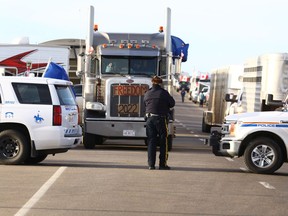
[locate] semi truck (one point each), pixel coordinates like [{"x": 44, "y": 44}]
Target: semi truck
[
  {"x": 183, "y": 82},
  {"x": 198, "y": 82},
  {"x": 224, "y": 81},
  {"x": 21, "y": 59},
  {"x": 116, "y": 71}
]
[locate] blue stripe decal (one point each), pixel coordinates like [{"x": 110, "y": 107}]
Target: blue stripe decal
[
  {"x": 249, "y": 125},
  {"x": 282, "y": 125},
  {"x": 265, "y": 125}
]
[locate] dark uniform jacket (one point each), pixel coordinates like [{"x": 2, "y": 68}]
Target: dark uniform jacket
[{"x": 158, "y": 101}]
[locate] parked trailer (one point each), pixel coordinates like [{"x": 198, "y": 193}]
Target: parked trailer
[
  {"x": 225, "y": 80},
  {"x": 18, "y": 59},
  {"x": 265, "y": 82}
]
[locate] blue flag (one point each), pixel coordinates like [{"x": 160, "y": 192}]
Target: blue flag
[
  {"x": 179, "y": 48},
  {"x": 56, "y": 71}
]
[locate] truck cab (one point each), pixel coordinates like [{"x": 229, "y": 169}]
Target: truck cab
[{"x": 117, "y": 73}]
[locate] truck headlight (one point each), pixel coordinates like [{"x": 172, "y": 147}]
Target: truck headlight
[
  {"x": 95, "y": 106},
  {"x": 229, "y": 128}
]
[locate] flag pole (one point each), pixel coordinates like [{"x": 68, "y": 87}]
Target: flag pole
[{"x": 49, "y": 61}]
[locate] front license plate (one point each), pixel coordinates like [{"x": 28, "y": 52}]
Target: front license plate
[{"x": 128, "y": 132}]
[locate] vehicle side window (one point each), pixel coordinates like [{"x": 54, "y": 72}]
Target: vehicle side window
[
  {"x": 65, "y": 94},
  {"x": 29, "y": 93},
  {"x": 78, "y": 90}
]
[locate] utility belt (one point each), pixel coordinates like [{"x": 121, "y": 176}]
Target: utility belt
[{"x": 151, "y": 115}]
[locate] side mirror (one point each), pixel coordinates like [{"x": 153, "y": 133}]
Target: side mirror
[{"x": 230, "y": 98}]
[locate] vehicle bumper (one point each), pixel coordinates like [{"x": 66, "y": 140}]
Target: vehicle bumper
[
  {"x": 56, "y": 138},
  {"x": 120, "y": 129},
  {"x": 223, "y": 147}
]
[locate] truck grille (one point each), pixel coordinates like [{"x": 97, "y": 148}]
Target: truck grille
[{"x": 127, "y": 100}]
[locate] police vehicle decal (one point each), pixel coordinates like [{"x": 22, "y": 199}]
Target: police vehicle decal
[
  {"x": 38, "y": 118},
  {"x": 265, "y": 124},
  {"x": 9, "y": 115}
]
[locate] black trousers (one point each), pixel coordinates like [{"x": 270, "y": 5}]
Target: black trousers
[{"x": 157, "y": 133}]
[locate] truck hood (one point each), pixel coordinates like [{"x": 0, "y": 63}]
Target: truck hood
[{"x": 269, "y": 116}]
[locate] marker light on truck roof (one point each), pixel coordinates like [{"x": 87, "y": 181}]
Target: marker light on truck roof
[
  {"x": 95, "y": 27},
  {"x": 129, "y": 45},
  {"x": 161, "y": 29},
  {"x": 121, "y": 46}
]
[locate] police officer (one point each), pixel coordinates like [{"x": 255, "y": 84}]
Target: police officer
[{"x": 157, "y": 103}]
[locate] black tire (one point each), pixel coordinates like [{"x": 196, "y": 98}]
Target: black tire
[
  {"x": 89, "y": 141},
  {"x": 263, "y": 155},
  {"x": 35, "y": 160},
  {"x": 170, "y": 142},
  {"x": 205, "y": 127},
  {"x": 14, "y": 147}
]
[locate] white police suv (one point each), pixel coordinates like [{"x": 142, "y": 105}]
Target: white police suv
[{"x": 38, "y": 116}]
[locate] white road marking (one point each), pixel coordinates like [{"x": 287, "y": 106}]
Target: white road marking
[
  {"x": 267, "y": 185},
  {"x": 37, "y": 196},
  {"x": 229, "y": 159}
]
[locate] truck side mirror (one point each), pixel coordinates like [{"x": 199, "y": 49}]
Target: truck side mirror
[{"x": 230, "y": 98}]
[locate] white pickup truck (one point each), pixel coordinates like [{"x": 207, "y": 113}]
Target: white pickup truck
[
  {"x": 38, "y": 116},
  {"x": 261, "y": 137}
]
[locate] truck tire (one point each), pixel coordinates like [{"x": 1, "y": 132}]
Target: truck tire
[
  {"x": 14, "y": 147},
  {"x": 89, "y": 141},
  {"x": 263, "y": 156},
  {"x": 35, "y": 160},
  {"x": 205, "y": 127}
]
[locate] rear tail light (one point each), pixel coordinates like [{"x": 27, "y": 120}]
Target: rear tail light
[{"x": 57, "y": 116}]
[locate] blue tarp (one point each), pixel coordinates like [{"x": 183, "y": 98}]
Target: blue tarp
[
  {"x": 56, "y": 71},
  {"x": 179, "y": 48}
]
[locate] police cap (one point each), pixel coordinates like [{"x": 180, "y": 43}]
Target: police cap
[{"x": 156, "y": 80}]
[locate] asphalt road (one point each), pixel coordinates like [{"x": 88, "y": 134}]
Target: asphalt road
[{"x": 113, "y": 180}]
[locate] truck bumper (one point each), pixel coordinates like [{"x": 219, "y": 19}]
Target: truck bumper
[
  {"x": 222, "y": 147},
  {"x": 120, "y": 129}
]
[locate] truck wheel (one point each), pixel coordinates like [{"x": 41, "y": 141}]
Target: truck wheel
[
  {"x": 99, "y": 140},
  {"x": 35, "y": 160},
  {"x": 89, "y": 141},
  {"x": 263, "y": 156},
  {"x": 14, "y": 148},
  {"x": 170, "y": 142},
  {"x": 205, "y": 127}
]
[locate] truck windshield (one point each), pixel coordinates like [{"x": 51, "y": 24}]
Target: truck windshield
[{"x": 128, "y": 65}]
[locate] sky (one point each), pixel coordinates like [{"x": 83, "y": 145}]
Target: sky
[{"x": 219, "y": 32}]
